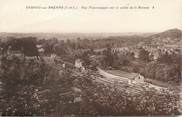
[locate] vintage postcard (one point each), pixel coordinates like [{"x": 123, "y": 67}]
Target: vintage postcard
[{"x": 90, "y": 57}]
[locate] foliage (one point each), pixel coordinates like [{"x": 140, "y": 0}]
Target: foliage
[
  {"x": 26, "y": 45},
  {"x": 144, "y": 55},
  {"x": 21, "y": 81}
]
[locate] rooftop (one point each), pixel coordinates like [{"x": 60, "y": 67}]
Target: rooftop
[{"x": 123, "y": 74}]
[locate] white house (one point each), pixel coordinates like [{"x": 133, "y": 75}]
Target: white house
[
  {"x": 137, "y": 78},
  {"x": 53, "y": 56},
  {"x": 40, "y": 48},
  {"x": 79, "y": 64}
]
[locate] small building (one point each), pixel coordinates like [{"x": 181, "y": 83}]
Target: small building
[
  {"x": 39, "y": 46},
  {"x": 17, "y": 53},
  {"x": 40, "y": 49},
  {"x": 156, "y": 56},
  {"x": 79, "y": 64},
  {"x": 53, "y": 56},
  {"x": 136, "y": 53},
  {"x": 137, "y": 78}
]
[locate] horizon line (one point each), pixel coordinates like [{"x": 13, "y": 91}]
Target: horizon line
[{"x": 129, "y": 32}]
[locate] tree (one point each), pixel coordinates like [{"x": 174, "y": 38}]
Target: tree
[
  {"x": 144, "y": 55},
  {"x": 108, "y": 60},
  {"x": 20, "y": 84},
  {"x": 169, "y": 58},
  {"x": 29, "y": 46},
  {"x": 25, "y": 45}
]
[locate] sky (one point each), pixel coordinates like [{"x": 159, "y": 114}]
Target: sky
[{"x": 14, "y": 17}]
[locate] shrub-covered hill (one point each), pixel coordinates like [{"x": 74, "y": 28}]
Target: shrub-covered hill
[{"x": 36, "y": 88}]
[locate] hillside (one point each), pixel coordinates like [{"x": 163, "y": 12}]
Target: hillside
[
  {"x": 172, "y": 36},
  {"x": 172, "y": 33}
]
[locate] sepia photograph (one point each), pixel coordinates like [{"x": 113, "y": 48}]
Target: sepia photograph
[{"x": 108, "y": 58}]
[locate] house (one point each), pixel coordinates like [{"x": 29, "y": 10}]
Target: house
[
  {"x": 14, "y": 53},
  {"x": 41, "y": 50},
  {"x": 130, "y": 78},
  {"x": 79, "y": 64},
  {"x": 17, "y": 54},
  {"x": 39, "y": 46},
  {"x": 156, "y": 55},
  {"x": 53, "y": 56},
  {"x": 136, "y": 53}
]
